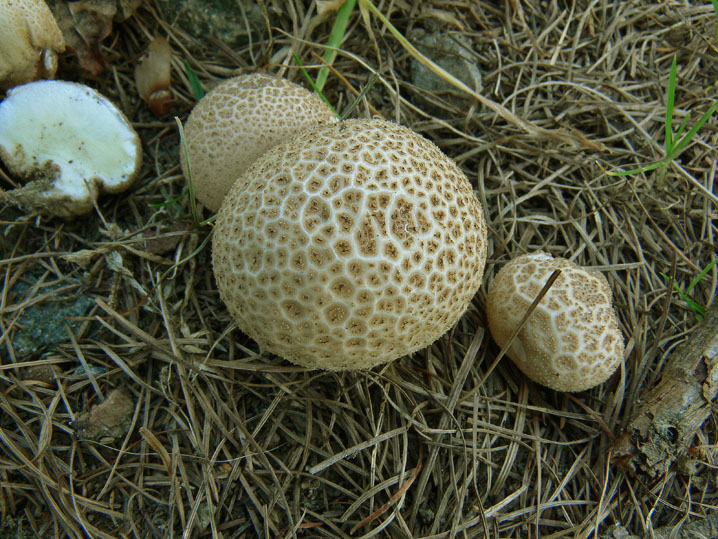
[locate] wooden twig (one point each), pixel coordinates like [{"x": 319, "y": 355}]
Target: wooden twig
[{"x": 663, "y": 426}]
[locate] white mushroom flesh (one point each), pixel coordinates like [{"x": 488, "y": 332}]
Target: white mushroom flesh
[{"x": 72, "y": 133}]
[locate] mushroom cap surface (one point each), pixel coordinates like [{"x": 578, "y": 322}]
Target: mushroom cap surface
[
  {"x": 72, "y": 140},
  {"x": 238, "y": 121},
  {"x": 29, "y": 42},
  {"x": 571, "y": 341},
  {"x": 349, "y": 246}
]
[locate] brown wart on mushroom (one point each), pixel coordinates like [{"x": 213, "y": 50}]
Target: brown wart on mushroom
[
  {"x": 71, "y": 141},
  {"x": 152, "y": 76},
  {"x": 349, "y": 245},
  {"x": 571, "y": 341},
  {"x": 238, "y": 121},
  {"x": 30, "y": 40}
]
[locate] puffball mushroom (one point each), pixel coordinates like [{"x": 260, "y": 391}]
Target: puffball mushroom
[
  {"x": 71, "y": 140},
  {"x": 237, "y": 122},
  {"x": 29, "y": 42},
  {"x": 571, "y": 341},
  {"x": 153, "y": 76},
  {"x": 349, "y": 245}
]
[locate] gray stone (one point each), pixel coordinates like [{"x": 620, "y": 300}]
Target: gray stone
[
  {"x": 449, "y": 51},
  {"x": 230, "y": 21},
  {"x": 43, "y": 325}
]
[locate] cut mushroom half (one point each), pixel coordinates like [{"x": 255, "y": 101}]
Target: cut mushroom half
[{"x": 69, "y": 143}]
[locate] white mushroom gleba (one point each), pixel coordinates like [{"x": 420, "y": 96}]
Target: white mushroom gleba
[
  {"x": 70, "y": 141},
  {"x": 349, "y": 246}
]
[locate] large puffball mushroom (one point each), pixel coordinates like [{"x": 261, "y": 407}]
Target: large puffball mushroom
[
  {"x": 71, "y": 141},
  {"x": 29, "y": 42},
  {"x": 238, "y": 121},
  {"x": 350, "y": 245},
  {"x": 571, "y": 341}
]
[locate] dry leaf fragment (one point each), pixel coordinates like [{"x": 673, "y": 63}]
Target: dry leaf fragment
[
  {"x": 85, "y": 23},
  {"x": 328, "y": 6},
  {"x": 109, "y": 419}
]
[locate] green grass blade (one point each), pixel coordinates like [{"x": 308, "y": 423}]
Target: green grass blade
[
  {"x": 192, "y": 200},
  {"x": 678, "y": 147},
  {"x": 701, "y": 275},
  {"x": 715, "y": 7},
  {"x": 335, "y": 40},
  {"x": 361, "y": 95},
  {"x": 170, "y": 201},
  {"x": 669, "y": 105},
  {"x": 313, "y": 84},
  {"x": 679, "y": 133},
  {"x": 194, "y": 82},
  {"x": 638, "y": 170},
  {"x": 689, "y": 136},
  {"x": 189, "y": 257},
  {"x": 696, "y": 308}
]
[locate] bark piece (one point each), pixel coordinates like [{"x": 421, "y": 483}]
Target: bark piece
[
  {"x": 664, "y": 425},
  {"x": 698, "y": 529}
]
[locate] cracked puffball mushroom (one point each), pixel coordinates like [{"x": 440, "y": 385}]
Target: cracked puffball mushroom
[
  {"x": 72, "y": 142},
  {"x": 238, "y": 121},
  {"x": 349, "y": 245},
  {"x": 29, "y": 42},
  {"x": 571, "y": 341}
]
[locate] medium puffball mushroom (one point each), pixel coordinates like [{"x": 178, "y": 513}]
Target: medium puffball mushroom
[
  {"x": 350, "y": 245},
  {"x": 72, "y": 141},
  {"x": 29, "y": 42},
  {"x": 571, "y": 341},
  {"x": 237, "y": 122}
]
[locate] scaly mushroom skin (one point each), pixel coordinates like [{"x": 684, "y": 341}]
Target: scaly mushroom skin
[
  {"x": 571, "y": 341},
  {"x": 349, "y": 246},
  {"x": 29, "y": 42},
  {"x": 71, "y": 141},
  {"x": 237, "y": 122}
]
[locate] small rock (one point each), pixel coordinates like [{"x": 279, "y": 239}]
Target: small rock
[
  {"x": 43, "y": 324},
  {"x": 227, "y": 20},
  {"x": 450, "y": 52}
]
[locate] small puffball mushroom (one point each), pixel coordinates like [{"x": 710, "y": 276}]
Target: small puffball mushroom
[
  {"x": 571, "y": 341},
  {"x": 72, "y": 141},
  {"x": 29, "y": 42},
  {"x": 237, "y": 122},
  {"x": 350, "y": 245},
  {"x": 153, "y": 76}
]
